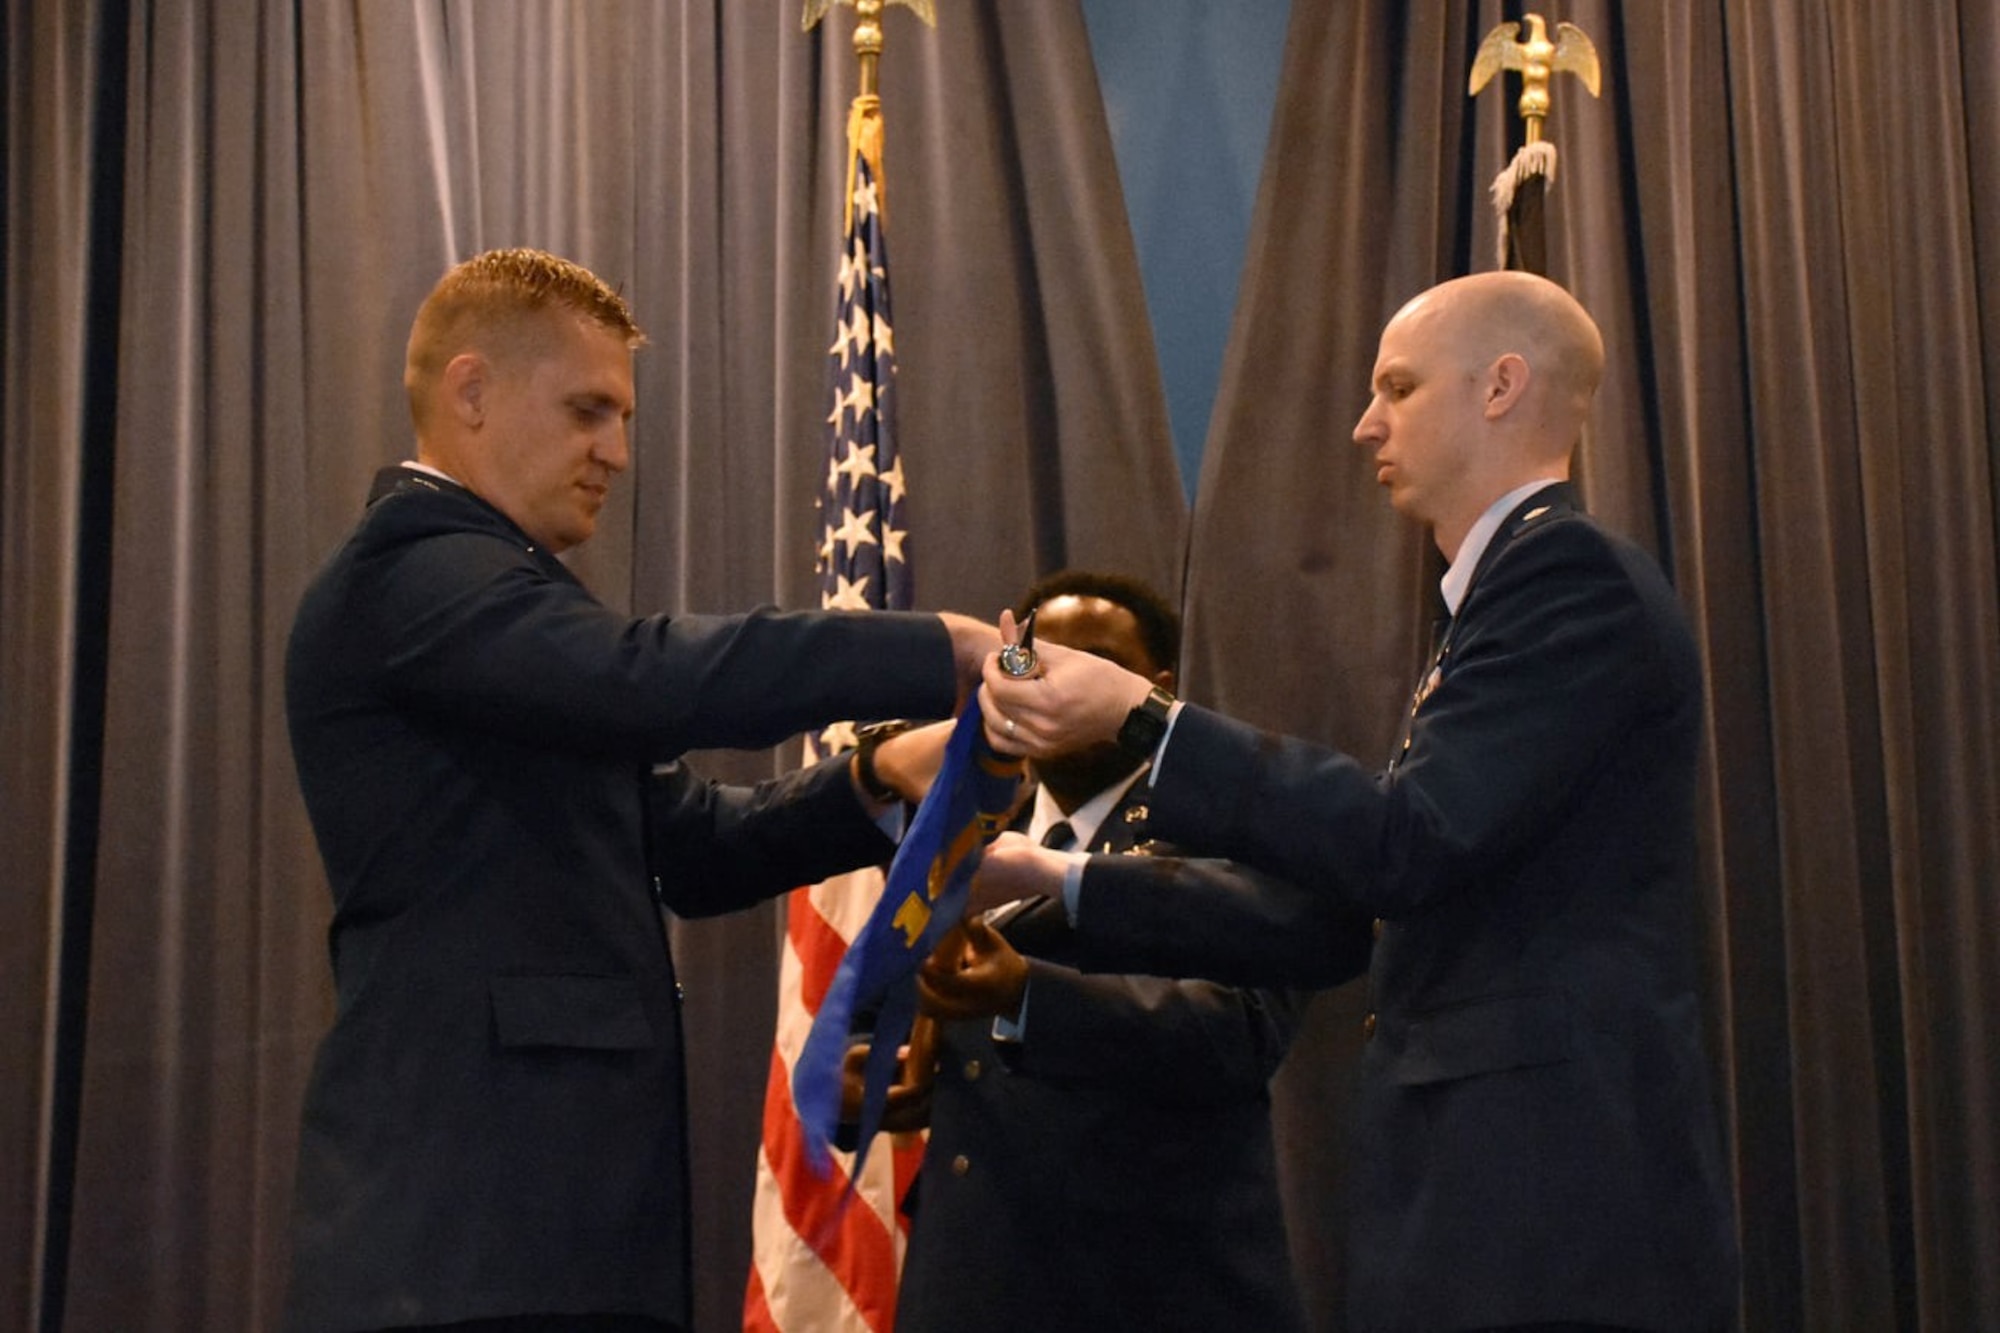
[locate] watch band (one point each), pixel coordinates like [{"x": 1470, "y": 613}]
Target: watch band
[
  {"x": 866, "y": 740},
  {"x": 1146, "y": 724}
]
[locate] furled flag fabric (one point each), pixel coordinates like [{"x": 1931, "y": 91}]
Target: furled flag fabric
[
  {"x": 820, "y": 1262},
  {"x": 969, "y": 802}
]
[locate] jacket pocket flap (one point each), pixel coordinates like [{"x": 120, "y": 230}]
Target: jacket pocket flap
[
  {"x": 1486, "y": 1036},
  {"x": 591, "y": 1013}
]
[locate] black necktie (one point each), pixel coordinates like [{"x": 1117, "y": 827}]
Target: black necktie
[{"x": 1059, "y": 836}]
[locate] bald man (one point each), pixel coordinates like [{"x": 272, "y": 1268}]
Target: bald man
[{"x": 1535, "y": 1144}]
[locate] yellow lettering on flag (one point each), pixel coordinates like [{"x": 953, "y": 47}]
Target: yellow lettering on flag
[{"x": 911, "y": 918}]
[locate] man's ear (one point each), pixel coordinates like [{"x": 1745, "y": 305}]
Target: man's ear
[
  {"x": 1167, "y": 680},
  {"x": 465, "y": 381},
  {"x": 1506, "y": 380}
]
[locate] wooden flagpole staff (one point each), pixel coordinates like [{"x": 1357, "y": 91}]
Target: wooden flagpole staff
[{"x": 864, "y": 137}]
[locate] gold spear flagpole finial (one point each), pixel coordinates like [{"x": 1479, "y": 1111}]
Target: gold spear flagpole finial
[
  {"x": 817, "y": 9},
  {"x": 867, "y": 28},
  {"x": 864, "y": 119},
  {"x": 1539, "y": 60}
]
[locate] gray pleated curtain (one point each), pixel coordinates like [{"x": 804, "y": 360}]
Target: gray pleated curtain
[{"x": 220, "y": 216}]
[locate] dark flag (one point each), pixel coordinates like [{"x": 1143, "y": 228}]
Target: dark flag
[{"x": 1519, "y": 193}]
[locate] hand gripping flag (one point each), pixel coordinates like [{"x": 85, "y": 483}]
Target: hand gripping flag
[{"x": 924, "y": 897}]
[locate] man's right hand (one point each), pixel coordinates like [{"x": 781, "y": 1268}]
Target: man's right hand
[
  {"x": 972, "y": 642},
  {"x": 908, "y": 1106},
  {"x": 1072, "y": 701},
  {"x": 973, "y": 973},
  {"x": 1014, "y": 866}
]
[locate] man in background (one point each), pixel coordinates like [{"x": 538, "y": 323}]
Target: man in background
[
  {"x": 1100, "y": 1152},
  {"x": 494, "y": 1133}
]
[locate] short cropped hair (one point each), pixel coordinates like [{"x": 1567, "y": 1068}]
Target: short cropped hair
[
  {"x": 1159, "y": 622},
  {"x": 494, "y": 301}
]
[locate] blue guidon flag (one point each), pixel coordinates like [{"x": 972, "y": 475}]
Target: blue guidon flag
[{"x": 923, "y": 898}]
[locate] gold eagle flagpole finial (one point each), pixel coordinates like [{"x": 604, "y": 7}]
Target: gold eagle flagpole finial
[
  {"x": 1519, "y": 188},
  {"x": 1539, "y": 60}
]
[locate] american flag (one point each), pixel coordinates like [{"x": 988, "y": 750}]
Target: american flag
[
  {"x": 862, "y": 564},
  {"x": 819, "y": 1262}
]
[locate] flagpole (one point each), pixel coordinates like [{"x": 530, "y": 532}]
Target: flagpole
[
  {"x": 817, "y": 1264},
  {"x": 1518, "y": 191},
  {"x": 865, "y": 141},
  {"x": 864, "y": 117}
]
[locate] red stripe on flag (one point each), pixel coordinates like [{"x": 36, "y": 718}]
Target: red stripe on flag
[
  {"x": 850, "y": 1240},
  {"x": 818, "y": 945},
  {"x": 757, "y": 1317}
]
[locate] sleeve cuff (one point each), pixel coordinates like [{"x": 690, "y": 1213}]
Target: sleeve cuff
[
  {"x": 1072, "y": 883},
  {"x": 1160, "y": 750}
]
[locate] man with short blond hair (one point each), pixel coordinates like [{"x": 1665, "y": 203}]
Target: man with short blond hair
[{"x": 493, "y": 1135}]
